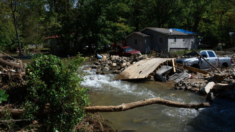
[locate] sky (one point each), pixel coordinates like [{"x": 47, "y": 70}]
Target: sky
[{"x": 47, "y": 5}]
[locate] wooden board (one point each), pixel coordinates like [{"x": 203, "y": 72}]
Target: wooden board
[
  {"x": 180, "y": 66},
  {"x": 141, "y": 69}
]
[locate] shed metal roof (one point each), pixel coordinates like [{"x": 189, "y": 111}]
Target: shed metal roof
[{"x": 167, "y": 32}]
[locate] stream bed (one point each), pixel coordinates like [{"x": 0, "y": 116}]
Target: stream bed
[{"x": 104, "y": 90}]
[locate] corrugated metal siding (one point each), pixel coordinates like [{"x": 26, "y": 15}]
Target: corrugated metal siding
[{"x": 141, "y": 42}]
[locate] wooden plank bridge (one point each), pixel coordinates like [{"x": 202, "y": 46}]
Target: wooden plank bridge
[{"x": 141, "y": 69}]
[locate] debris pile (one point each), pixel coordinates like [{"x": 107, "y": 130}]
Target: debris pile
[
  {"x": 11, "y": 71},
  {"x": 115, "y": 64}
]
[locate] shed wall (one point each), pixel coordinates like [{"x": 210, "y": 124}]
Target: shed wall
[
  {"x": 156, "y": 45},
  {"x": 140, "y": 42}
]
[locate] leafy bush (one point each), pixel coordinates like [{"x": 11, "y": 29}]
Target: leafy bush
[
  {"x": 3, "y": 96},
  {"x": 55, "y": 86}
]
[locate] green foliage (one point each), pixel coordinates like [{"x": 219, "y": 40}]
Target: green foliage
[
  {"x": 6, "y": 115},
  {"x": 3, "y": 96},
  {"x": 7, "y": 29},
  {"x": 55, "y": 85}
]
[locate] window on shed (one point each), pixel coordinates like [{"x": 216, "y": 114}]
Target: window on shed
[
  {"x": 135, "y": 41},
  {"x": 161, "y": 40},
  {"x": 174, "y": 39},
  {"x": 211, "y": 54}
]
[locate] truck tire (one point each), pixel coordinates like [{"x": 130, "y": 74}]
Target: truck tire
[{"x": 224, "y": 65}]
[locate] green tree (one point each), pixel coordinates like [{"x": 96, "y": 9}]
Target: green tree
[{"x": 103, "y": 22}]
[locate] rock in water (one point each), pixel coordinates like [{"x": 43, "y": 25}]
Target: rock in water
[{"x": 207, "y": 88}]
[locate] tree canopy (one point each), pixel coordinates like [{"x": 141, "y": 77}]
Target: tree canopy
[{"x": 79, "y": 23}]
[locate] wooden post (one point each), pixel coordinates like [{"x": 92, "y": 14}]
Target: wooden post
[
  {"x": 207, "y": 61},
  {"x": 173, "y": 64}
]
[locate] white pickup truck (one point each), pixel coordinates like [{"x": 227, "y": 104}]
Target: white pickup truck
[{"x": 210, "y": 56}]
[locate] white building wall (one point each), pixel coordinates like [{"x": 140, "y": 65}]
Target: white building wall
[{"x": 182, "y": 42}]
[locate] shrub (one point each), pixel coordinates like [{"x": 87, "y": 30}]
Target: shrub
[{"x": 55, "y": 87}]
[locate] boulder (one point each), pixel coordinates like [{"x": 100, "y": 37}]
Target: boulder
[
  {"x": 94, "y": 67},
  {"x": 114, "y": 64},
  {"x": 114, "y": 57},
  {"x": 104, "y": 57},
  {"x": 123, "y": 64},
  {"x": 86, "y": 68},
  {"x": 96, "y": 63},
  {"x": 116, "y": 71},
  {"x": 105, "y": 69},
  {"x": 206, "y": 89}
]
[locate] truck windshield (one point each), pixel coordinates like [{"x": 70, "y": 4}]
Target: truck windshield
[
  {"x": 128, "y": 49},
  {"x": 211, "y": 54}
]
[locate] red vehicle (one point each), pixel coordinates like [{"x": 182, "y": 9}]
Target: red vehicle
[{"x": 125, "y": 51}]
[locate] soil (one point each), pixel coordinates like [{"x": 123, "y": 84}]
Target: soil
[{"x": 93, "y": 123}]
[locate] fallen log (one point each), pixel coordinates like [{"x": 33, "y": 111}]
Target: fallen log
[
  {"x": 145, "y": 102},
  {"x": 6, "y": 63},
  {"x": 124, "y": 107},
  {"x": 18, "y": 120}
]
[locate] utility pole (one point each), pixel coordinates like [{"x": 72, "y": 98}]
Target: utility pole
[{"x": 13, "y": 12}]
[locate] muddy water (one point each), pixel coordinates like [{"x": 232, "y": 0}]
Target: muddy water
[{"x": 106, "y": 91}]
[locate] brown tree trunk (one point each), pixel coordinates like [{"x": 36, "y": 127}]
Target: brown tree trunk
[{"x": 17, "y": 35}]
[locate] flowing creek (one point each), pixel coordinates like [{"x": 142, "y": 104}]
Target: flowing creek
[{"x": 104, "y": 90}]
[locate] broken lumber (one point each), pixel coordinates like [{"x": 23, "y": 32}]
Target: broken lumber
[
  {"x": 173, "y": 64},
  {"x": 180, "y": 66},
  {"x": 6, "y": 63},
  {"x": 124, "y": 107},
  {"x": 206, "y": 61}
]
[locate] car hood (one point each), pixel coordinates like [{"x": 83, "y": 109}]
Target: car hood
[{"x": 134, "y": 52}]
